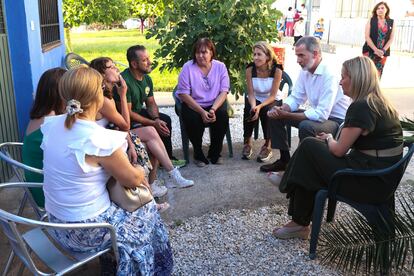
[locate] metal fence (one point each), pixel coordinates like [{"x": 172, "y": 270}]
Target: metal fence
[
  {"x": 350, "y": 31},
  {"x": 8, "y": 119}
]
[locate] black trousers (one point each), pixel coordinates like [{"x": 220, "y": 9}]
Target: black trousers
[
  {"x": 165, "y": 139},
  {"x": 194, "y": 127},
  {"x": 249, "y": 126},
  {"x": 311, "y": 169}
]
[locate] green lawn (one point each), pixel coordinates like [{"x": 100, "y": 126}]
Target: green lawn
[{"x": 113, "y": 44}]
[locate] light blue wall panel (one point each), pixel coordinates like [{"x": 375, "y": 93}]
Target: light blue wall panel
[{"x": 27, "y": 59}]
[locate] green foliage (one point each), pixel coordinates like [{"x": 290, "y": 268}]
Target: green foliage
[
  {"x": 408, "y": 125},
  {"x": 75, "y": 12},
  {"x": 144, "y": 9},
  {"x": 353, "y": 245},
  {"x": 233, "y": 25},
  {"x": 107, "y": 12}
]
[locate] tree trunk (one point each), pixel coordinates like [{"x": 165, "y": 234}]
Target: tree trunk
[
  {"x": 68, "y": 40},
  {"x": 142, "y": 25}
]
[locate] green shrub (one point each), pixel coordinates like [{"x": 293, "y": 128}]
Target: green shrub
[{"x": 233, "y": 25}]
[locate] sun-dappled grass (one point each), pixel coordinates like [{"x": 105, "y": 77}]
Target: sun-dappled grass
[{"x": 113, "y": 44}]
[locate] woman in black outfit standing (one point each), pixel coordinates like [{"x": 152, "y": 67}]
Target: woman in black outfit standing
[{"x": 379, "y": 35}]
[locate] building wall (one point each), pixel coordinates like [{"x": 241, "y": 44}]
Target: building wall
[
  {"x": 28, "y": 62},
  {"x": 345, "y": 24}
]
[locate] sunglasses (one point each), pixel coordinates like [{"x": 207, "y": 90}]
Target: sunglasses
[{"x": 206, "y": 82}]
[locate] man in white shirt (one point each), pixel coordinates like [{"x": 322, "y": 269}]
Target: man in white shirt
[{"x": 317, "y": 85}]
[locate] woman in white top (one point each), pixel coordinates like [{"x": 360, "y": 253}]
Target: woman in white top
[
  {"x": 79, "y": 158},
  {"x": 263, "y": 77},
  {"x": 114, "y": 83}
]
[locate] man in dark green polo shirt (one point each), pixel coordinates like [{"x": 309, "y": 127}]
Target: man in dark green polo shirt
[{"x": 140, "y": 91}]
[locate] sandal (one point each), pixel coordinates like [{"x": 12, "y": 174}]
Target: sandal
[
  {"x": 162, "y": 207},
  {"x": 247, "y": 152},
  {"x": 301, "y": 232}
]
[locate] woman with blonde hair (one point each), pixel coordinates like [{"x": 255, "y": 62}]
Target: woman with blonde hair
[
  {"x": 263, "y": 77},
  {"x": 75, "y": 190},
  {"x": 371, "y": 130}
]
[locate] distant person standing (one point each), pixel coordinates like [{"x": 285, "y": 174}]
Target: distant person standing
[
  {"x": 319, "y": 29},
  {"x": 296, "y": 17},
  {"x": 299, "y": 30},
  {"x": 379, "y": 35},
  {"x": 411, "y": 11},
  {"x": 280, "y": 25},
  {"x": 303, "y": 12},
  {"x": 289, "y": 22}
]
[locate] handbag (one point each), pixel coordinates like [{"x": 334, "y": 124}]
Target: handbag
[
  {"x": 129, "y": 199},
  {"x": 142, "y": 155}
]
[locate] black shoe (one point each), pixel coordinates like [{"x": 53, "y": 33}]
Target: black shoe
[
  {"x": 201, "y": 161},
  {"x": 217, "y": 160},
  {"x": 276, "y": 166}
]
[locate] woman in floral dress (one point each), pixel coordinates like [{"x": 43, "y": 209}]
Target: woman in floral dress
[{"x": 379, "y": 35}]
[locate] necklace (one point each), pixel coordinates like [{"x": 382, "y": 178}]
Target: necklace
[{"x": 262, "y": 70}]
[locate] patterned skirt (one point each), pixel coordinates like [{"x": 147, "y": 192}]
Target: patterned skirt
[
  {"x": 378, "y": 61},
  {"x": 142, "y": 239}
]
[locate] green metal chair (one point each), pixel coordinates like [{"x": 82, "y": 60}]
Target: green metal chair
[
  {"x": 184, "y": 137},
  {"x": 378, "y": 215},
  {"x": 73, "y": 60}
]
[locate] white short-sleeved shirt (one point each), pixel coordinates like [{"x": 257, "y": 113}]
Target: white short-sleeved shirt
[
  {"x": 75, "y": 190},
  {"x": 323, "y": 92}
]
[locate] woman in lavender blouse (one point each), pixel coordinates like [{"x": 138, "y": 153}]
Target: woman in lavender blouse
[{"x": 203, "y": 85}]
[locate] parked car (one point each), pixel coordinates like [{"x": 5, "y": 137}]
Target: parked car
[{"x": 132, "y": 23}]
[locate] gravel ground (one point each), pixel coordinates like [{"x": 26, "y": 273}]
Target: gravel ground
[{"x": 239, "y": 242}]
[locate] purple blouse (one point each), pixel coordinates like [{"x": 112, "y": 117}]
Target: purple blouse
[{"x": 203, "y": 89}]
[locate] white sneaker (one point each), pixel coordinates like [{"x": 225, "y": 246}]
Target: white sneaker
[
  {"x": 157, "y": 189},
  {"x": 174, "y": 179}
]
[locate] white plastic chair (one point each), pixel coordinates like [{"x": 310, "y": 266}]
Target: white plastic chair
[{"x": 37, "y": 241}]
